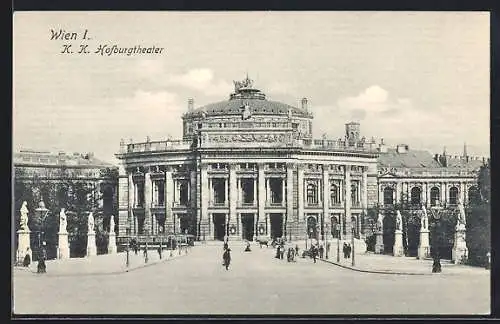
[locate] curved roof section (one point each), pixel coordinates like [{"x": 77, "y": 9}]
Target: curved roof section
[
  {"x": 411, "y": 159},
  {"x": 245, "y": 95}
]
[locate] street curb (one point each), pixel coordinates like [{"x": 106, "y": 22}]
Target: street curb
[
  {"x": 378, "y": 271},
  {"x": 80, "y": 274}
]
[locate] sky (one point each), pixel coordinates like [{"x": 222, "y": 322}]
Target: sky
[{"x": 416, "y": 78}]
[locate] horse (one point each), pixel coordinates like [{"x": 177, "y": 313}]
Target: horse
[
  {"x": 263, "y": 241},
  {"x": 226, "y": 257}
]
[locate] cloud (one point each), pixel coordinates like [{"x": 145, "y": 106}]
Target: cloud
[{"x": 398, "y": 120}]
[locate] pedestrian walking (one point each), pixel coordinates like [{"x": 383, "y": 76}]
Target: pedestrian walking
[
  {"x": 314, "y": 252},
  {"x": 296, "y": 249},
  {"x": 321, "y": 251},
  {"x": 277, "y": 252},
  {"x": 27, "y": 258},
  {"x": 41, "y": 260},
  {"x": 344, "y": 249},
  {"x": 226, "y": 257},
  {"x": 349, "y": 250}
]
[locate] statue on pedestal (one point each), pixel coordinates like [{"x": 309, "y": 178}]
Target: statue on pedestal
[
  {"x": 424, "y": 221},
  {"x": 380, "y": 223},
  {"x": 62, "y": 221},
  {"x": 461, "y": 222},
  {"x": 112, "y": 224},
  {"x": 24, "y": 216},
  {"x": 399, "y": 221},
  {"x": 91, "y": 223}
]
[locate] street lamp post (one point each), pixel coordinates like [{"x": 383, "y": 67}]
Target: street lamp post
[
  {"x": 44, "y": 212},
  {"x": 325, "y": 231},
  {"x": 337, "y": 227},
  {"x": 128, "y": 245},
  {"x": 352, "y": 240}
]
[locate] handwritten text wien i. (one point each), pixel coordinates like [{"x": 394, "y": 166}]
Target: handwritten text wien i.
[{"x": 78, "y": 43}]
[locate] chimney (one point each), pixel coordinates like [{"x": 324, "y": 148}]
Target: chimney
[
  {"x": 304, "y": 104},
  {"x": 402, "y": 148},
  {"x": 190, "y": 104}
]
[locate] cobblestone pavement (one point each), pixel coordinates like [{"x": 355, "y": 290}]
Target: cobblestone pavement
[{"x": 256, "y": 283}]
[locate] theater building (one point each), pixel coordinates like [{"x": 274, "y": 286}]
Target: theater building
[{"x": 248, "y": 166}]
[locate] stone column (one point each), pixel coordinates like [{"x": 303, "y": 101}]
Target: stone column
[
  {"x": 232, "y": 199},
  {"x": 443, "y": 193},
  {"x": 466, "y": 194},
  {"x": 462, "y": 193},
  {"x": 289, "y": 198},
  {"x": 326, "y": 200},
  {"x": 205, "y": 198},
  {"x": 380, "y": 194},
  {"x": 255, "y": 193},
  {"x": 226, "y": 193},
  {"x": 268, "y": 191},
  {"x": 347, "y": 201},
  {"x": 429, "y": 195},
  {"x": 169, "y": 200},
  {"x": 300, "y": 221},
  {"x": 131, "y": 203},
  {"x": 261, "y": 196},
  {"x": 424, "y": 194},
  {"x": 398, "y": 191},
  {"x": 148, "y": 222}
]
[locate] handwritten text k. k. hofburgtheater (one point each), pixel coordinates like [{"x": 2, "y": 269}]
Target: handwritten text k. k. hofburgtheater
[{"x": 109, "y": 50}]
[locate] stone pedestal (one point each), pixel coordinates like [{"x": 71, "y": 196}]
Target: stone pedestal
[
  {"x": 423, "y": 246},
  {"x": 459, "y": 251},
  {"x": 112, "y": 243},
  {"x": 63, "y": 246},
  {"x": 379, "y": 243},
  {"x": 91, "y": 247},
  {"x": 398, "y": 243},
  {"x": 23, "y": 245}
]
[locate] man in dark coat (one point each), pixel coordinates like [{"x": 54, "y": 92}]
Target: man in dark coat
[
  {"x": 226, "y": 257},
  {"x": 344, "y": 249},
  {"x": 41, "y": 260},
  {"x": 321, "y": 251}
]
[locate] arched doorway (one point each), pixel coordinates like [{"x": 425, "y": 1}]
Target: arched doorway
[
  {"x": 276, "y": 223},
  {"x": 389, "y": 227},
  {"x": 412, "y": 235},
  {"x": 247, "y": 226},
  {"x": 312, "y": 231},
  {"x": 219, "y": 221}
]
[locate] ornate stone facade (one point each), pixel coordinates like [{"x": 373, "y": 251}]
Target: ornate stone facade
[{"x": 248, "y": 167}]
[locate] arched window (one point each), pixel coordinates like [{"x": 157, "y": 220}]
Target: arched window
[
  {"x": 415, "y": 195},
  {"x": 388, "y": 196},
  {"x": 434, "y": 196},
  {"x": 354, "y": 194},
  {"x": 312, "y": 194},
  {"x": 473, "y": 194},
  {"x": 334, "y": 194},
  {"x": 453, "y": 194}
]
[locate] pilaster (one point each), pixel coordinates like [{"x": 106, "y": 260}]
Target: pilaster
[
  {"x": 147, "y": 203},
  {"x": 169, "y": 200}
]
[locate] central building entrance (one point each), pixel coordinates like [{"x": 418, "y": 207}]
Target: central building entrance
[
  {"x": 247, "y": 226},
  {"x": 219, "y": 221},
  {"x": 276, "y": 222}
]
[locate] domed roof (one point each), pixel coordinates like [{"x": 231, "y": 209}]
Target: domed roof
[{"x": 246, "y": 95}]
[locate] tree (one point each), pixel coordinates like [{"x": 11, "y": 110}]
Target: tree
[{"x": 478, "y": 234}]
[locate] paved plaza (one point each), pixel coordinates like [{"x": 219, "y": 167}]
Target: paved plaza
[{"x": 256, "y": 283}]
